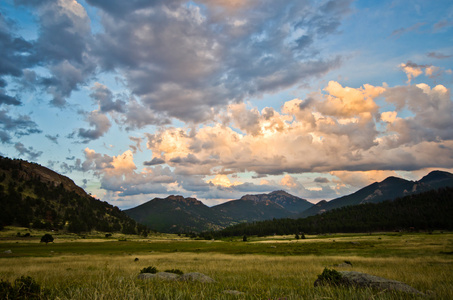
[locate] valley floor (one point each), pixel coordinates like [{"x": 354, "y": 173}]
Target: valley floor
[{"x": 262, "y": 268}]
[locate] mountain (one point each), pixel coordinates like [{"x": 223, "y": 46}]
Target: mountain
[
  {"x": 437, "y": 179},
  {"x": 425, "y": 211},
  {"x": 278, "y": 204},
  {"x": 388, "y": 189},
  {"x": 35, "y": 196},
  {"x": 178, "y": 214}
]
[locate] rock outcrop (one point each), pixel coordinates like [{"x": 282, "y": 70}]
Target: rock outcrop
[{"x": 358, "y": 279}]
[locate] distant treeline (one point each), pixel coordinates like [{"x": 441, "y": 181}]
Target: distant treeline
[
  {"x": 431, "y": 210},
  {"x": 27, "y": 201}
]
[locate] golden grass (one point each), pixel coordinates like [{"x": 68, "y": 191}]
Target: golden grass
[
  {"x": 419, "y": 260},
  {"x": 258, "y": 276}
]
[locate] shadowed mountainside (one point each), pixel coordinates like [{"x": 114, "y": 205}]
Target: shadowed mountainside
[
  {"x": 178, "y": 214},
  {"x": 35, "y": 196},
  {"x": 388, "y": 189}
]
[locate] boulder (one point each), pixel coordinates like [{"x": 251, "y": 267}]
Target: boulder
[
  {"x": 160, "y": 275},
  {"x": 358, "y": 279},
  {"x": 233, "y": 292},
  {"x": 196, "y": 277}
]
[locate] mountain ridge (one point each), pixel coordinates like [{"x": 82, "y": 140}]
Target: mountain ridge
[
  {"x": 388, "y": 189},
  {"x": 34, "y": 196},
  {"x": 280, "y": 204}
]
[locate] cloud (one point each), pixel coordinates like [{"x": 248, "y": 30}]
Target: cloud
[
  {"x": 20, "y": 126},
  {"x": 118, "y": 174},
  {"x": 154, "y": 161},
  {"x": 433, "y": 113},
  {"x": 441, "y": 25},
  {"x": 399, "y": 32},
  {"x": 223, "y": 181},
  {"x": 15, "y": 52},
  {"x": 70, "y": 63},
  {"x": 438, "y": 55},
  {"x": 104, "y": 98},
  {"x": 337, "y": 131},
  {"x": 31, "y": 153},
  {"x": 101, "y": 125},
  {"x": 53, "y": 139},
  {"x": 361, "y": 178},
  {"x": 9, "y": 100},
  {"x": 413, "y": 70},
  {"x": 189, "y": 82},
  {"x": 227, "y": 52},
  {"x": 321, "y": 180}
]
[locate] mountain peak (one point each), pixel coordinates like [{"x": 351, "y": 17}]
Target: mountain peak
[
  {"x": 181, "y": 199},
  {"x": 393, "y": 180},
  {"x": 280, "y": 192},
  {"x": 437, "y": 175}
]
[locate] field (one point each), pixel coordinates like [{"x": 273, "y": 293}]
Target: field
[{"x": 280, "y": 267}]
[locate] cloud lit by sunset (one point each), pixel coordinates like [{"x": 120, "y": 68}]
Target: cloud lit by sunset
[{"x": 218, "y": 99}]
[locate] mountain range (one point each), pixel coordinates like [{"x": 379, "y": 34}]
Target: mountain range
[
  {"x": 179, "y": 214},
  {"x": 34, "y": 196}
]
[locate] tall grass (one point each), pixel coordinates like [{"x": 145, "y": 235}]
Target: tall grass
[
  {"x": 257, "y": 276},
  {"x": 421, "y": 261}
]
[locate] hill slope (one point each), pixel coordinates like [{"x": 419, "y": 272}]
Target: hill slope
[
  {"x": 34, "y": 196},
  {"x": 424, "y": 211},
  {"x": 177, "y": 214},
  {"x": 278, "y": 204},
  {"x": 388, "y": 189}
]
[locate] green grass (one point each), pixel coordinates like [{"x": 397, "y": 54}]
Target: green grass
[{"x": 262, "y": 268}]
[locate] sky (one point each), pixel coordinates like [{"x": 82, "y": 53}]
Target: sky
[{"x": 215, "y": 99}]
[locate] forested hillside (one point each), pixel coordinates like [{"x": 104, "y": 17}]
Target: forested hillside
[
  {"x": 36, "y": 197},
  {"x": 426, "y": 211}
]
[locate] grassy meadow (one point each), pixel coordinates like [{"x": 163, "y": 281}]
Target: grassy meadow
[{"x": 281, "y": 267}]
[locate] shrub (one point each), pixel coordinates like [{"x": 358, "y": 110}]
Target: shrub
[
  {"x": 47, "y": 238},
  {"x": 24, "y": 287},
  {"x": 328, "y": 276},
  {"x": 152, "y": 270},
  {"x": 175, "y": 271}
]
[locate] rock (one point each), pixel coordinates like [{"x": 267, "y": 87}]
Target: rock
[
  {"x": 196, "y": 277},
  {"x": 160, "y": 275},
  {"x": 358, "y": 279},
  {"x": 233, "y": 292}
]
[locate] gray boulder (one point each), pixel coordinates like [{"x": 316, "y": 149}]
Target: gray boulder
[
  {"x": 358, "y": 279},
  {"x": 160, "y": 275},
  {"x": 196, "y": 277}
]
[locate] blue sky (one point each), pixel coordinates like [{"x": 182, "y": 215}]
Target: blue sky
[{"x": 217, "y": 99}]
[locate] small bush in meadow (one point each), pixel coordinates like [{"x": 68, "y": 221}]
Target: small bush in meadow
[
  {"x": 24, "y": 287},
  {"x": 328, "y": 276},
  {"x": 150, "y": 269},
  {"x": 47, "y": 238},
  {"x": 175, "y": 271}
]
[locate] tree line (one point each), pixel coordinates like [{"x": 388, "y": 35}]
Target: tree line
[{"x": 427, "y": 211}]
